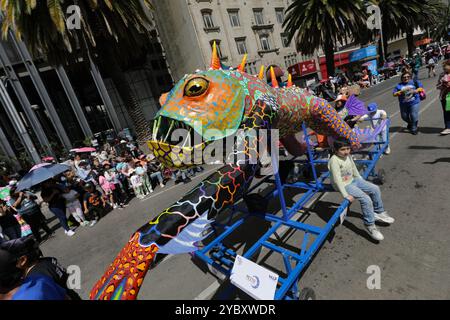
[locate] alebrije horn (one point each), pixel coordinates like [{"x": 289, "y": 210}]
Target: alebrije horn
[
  {"x": 261, "y": 72},
  {"x": 274, "y": 78},
  {"x": 290, "y": 83},
  {"x": 215, "y": 60},
  {"x": 243, "y": 63}
]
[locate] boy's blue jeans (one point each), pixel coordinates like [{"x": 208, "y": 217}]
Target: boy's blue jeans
[{"x": 369, "y": 196}]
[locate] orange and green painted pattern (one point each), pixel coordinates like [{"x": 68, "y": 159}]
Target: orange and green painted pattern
[{"x": 226, "y": 101}]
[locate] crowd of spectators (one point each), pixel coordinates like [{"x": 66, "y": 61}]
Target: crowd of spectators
[{"x": 97, "y": 183}]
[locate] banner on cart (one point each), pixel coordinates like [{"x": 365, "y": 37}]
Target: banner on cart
[{"x": 254, "y": 280}]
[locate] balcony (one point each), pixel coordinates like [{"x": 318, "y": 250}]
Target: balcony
[
  {"x": 262, "y": 26},
  {"x": 263, "y": 52},
  {"x": 212, "y": 29}
]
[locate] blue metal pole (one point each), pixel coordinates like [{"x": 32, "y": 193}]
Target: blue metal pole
[{"x": 279, "y": 186}]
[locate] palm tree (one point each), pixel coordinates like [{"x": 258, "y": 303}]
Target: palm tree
[
  {"x": 399, "y": 17},
  {"x": 441, "y": 28},
  {"x": 112, "y": 33},
  {"x": 321, "y": 23}
]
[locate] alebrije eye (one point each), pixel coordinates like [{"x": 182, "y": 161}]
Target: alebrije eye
[{"x": 196, "y": 87}]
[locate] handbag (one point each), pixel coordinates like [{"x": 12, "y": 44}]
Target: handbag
[
  {"x": 422, "y": 94},
  {"x": 25, "y": 228}
]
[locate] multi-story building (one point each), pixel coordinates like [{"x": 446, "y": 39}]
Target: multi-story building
[
  {"x": 47, "y": 111},
  {"x": 188, "y": 29}
]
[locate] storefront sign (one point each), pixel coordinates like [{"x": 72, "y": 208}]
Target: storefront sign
[
  {"x": 363, "y": 53},
  {"x": 308, "y": 67},
  {"x": 372, "y": 66},
  {"x": 303, "y": 68}
]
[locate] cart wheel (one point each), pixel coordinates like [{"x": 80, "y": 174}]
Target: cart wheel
[
  {"x": 307, "y": 294},
  {"x": 382, "y": 176}
]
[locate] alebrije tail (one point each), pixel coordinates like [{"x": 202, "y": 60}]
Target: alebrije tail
[
  {"x": 325, "y": 120},
  {"x": 124, "y": 277}
]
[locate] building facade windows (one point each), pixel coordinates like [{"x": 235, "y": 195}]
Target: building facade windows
[
  {"x": 234, "y": 18},
  {"x": 219, "y": 49},
  {"x": 279, "y": 12},
  {"x": 208, "y": 20},
  {"x": 259, "y": 16},
  {"x": 241, "y": 46},
  {"x": 285, "y": 40},
  {"x": 290, "y": 60},
  {"x": 265, "y": 44},
  {"x": 250, "y": 68}
]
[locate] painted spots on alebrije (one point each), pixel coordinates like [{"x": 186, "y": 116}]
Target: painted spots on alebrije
[{"x": 234, "y": 100}]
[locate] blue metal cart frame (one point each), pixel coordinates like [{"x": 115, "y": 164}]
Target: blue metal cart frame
[{"x": 222, "y": 259}]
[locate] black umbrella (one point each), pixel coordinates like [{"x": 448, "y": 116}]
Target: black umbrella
[{"x": 41, "y": 173}]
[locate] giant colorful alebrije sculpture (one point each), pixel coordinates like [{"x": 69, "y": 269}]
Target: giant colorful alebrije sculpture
[{"x": 224, "y": 101}]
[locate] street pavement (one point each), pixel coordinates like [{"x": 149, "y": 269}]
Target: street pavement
[{"x": 414, "y": 258}]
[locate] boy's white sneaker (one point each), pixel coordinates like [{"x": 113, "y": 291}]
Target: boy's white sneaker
[
  {"x": 388, "y": 151},
  {"x": 374, "y": 233},
  {"x": 384, "y": 217},
  {"x": 69, "y": 233},
  {"x": 93, "y": 223}
]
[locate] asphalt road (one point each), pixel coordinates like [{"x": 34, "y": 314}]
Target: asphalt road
[{"x": 414, "y": 259}]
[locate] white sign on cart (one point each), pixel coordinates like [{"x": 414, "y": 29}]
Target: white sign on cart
[{"x": 256, "y": 281}]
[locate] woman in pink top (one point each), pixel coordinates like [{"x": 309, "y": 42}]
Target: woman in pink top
[{"x": 444, "y": 86}]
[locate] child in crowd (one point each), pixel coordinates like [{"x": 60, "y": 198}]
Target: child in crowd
[
  {"x": 141, "y": 171},
  {"x": 108, "y": 189},
  {"x": 112, "y": 177},
  {"x": 346, "y": 179},
  {"x": 136, "y": 182},
  {"x": 73, "y": 206},
  {"x": 93, "y": 204}
]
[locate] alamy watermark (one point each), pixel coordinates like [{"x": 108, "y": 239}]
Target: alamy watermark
[
  {"x": 231, "y": 147},
  {"x": 74, "y": 279},
  {"x": 374, "y": 20},
  {"x": 374, "y": 280},
  {"x": 73, "y": 21}
]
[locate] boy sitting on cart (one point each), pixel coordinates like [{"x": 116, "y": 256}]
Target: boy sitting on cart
[
  {"x": 346, "y": 179},
  {"x": 376, "y": 116}
]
